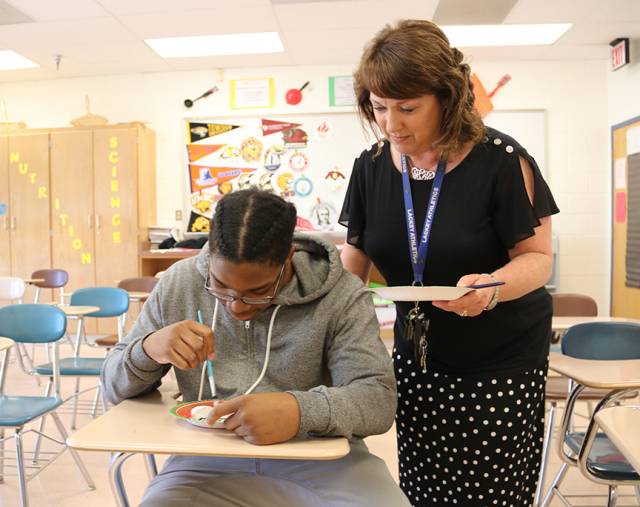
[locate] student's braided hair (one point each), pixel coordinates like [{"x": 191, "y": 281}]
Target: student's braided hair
[{"x": 252, "y": 226}]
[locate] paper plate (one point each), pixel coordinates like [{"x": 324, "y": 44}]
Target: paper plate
[
  {"x": 430, "y": 293},
  {"x": 183, "y": 411}
]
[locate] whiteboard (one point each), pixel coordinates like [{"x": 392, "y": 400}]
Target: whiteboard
[
  {"x": 528, "y": 127},
  {"x": 318, "y": 170}
]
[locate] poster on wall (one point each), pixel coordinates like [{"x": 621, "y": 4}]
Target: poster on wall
[
  {"x": 306, "y": 159},
  {"x": 341, "y": 91},
  {"x": 252, "y": 93}
]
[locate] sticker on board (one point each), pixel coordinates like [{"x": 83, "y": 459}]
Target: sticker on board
[
  {"x": 198, "y": 223},
  {"x": 324, "y": 216},
  {"x": 302, "y": 186}
]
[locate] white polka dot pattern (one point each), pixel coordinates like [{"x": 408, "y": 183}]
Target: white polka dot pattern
[{"x": 469, "y": 441}]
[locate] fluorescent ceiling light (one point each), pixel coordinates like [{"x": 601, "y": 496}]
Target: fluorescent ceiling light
[
  {"x": 505, "y": 35},
  {"x": 10, "y": 60},
  {"x": 217, "y": 45}
]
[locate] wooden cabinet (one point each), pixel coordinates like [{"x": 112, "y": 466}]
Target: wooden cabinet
[
  {"x": 72, "y": 236},
  {"x": 5, "y": 239},
  {"x": 80, "y": 199},
  {"x": 29, "y": 214}
]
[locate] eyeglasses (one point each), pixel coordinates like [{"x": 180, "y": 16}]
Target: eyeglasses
[{"x": 246, "y": 300}]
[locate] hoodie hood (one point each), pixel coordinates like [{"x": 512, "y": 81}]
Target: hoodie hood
[{"x": 316, "y": 270}]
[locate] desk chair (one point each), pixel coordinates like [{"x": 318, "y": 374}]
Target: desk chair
[
  {"x": 12, "y": 290},
  {"x": 113, "y": 302},
  {"x": 136, "y": 284},
  {"x": 574, "y": 305},
  {"x": 32, "y": 323},
  {"x": 558, "y": 387},
  {"x": 53, "y": 279},
  {"x": 596, "y": 456}
]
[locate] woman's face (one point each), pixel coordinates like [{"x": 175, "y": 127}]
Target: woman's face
[{"x": 410, "y": 125}]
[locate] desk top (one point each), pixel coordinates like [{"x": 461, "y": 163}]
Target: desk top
[
  {"x": 31, "y": 281},
  {"x": 621, "y": 425},
  {"x": 144, "y": 425},
  {"x": 6, "y": 343},
  {"x": 599, "y": 374},
  {"x": 169, "y": 253},
  {"x": 138, "y": 296},
  {"x": 564, "y": 323},
  {"x": 75, "y": 310}
]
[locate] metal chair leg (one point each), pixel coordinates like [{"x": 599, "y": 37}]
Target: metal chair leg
[
  {"x": 612, "y": 501},
  {"x": 22, "y": 479},
  {"x": 94, "y": 405},
  {"x": 545, "y": 453},
  {"x": 1, "y": 455},
  {"x": 74, "y": 453},
  {"x": 24, "y": 353},
  {"x": 103, "y": 397},
  {"x": 36, "y": 450},
  {"x": 150, "y": 463},
  {"x": 115, "y": 478},
  {"x": 554, "y": 485},
  {"x": 75, "y": 403}
]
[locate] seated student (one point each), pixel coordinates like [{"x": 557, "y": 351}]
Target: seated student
[{"x": 328, "y": 373}]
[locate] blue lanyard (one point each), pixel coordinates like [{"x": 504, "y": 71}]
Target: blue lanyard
[{"x": 418, "y": 251}]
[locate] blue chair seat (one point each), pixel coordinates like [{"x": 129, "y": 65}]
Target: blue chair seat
[
  {"x": 605, "y": 460},
  {"x": 89, "y": 366},
  {"x": 19, "y": 410}
]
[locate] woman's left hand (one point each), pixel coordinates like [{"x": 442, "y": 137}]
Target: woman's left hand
[{"x": 473, "y": 303}]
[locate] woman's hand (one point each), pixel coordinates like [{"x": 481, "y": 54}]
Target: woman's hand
[{"x": 473, "y": 303}]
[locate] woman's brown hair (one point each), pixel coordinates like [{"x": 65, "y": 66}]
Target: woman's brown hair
[{"x": 413, "y": 59}]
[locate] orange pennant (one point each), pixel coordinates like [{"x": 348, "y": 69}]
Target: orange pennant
[{"x": 197, "y": 151}]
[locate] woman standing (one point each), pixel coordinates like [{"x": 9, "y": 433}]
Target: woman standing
[{"x": 444, "y": 200}]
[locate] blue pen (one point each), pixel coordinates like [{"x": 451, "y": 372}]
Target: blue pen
[
  {"x": 485, "y": 285},
  {"x": 212, "y": 384}
]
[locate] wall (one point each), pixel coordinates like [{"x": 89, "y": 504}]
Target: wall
[
  {"x": 623, "y": 85},
  {"x": 573, "y": 94}
]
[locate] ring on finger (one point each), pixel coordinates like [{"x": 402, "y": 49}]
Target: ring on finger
[{"x": 464, "y": 313}]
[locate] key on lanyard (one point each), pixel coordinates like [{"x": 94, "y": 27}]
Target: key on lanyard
[{"x": 415, "y": 330}]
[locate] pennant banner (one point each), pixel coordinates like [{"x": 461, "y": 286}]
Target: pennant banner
[
  {"x": 203, "y": 176},
  {"x": 273, "y": 127},
  {"x": 198, "y": 151},
  {"x": 200, "y": 131}
]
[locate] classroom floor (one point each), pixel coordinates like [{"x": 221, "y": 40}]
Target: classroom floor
[{"x": 62, "y": 485}]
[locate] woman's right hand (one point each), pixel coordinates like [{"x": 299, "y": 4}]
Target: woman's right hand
[{"x": 184, "y": 345}]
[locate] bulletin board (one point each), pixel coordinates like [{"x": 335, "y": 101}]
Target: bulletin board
[
  {"x": 307, "y": 159},
  {"x": 625, "y": 236}
]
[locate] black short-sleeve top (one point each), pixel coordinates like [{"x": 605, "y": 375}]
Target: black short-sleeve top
[{"x": 483, "y": 211}]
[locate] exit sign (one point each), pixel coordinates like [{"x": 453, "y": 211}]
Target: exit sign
[{"x": 619, "y": 53}]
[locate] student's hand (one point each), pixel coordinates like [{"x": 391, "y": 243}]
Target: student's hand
[
  {"x": 261, "y": 419},
  {"x": 184, "y": 344},
  {"x": 473, "y": 303}
]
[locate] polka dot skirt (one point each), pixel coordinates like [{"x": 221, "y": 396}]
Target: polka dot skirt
[{"x": 471, "y": 441}]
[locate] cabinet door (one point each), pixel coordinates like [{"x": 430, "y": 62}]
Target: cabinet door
[
  {"x": 29, "y": 204},
  {"x": 5, "y": 242},
  {"x": 72, "y": 217},
  {"x": 116, "y": 206}
]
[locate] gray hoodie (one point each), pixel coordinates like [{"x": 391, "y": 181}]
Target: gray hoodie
[{"x": 325, "y": 347}]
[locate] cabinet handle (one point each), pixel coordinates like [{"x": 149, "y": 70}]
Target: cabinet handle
[
  {"x": 6, "y": 223},
  {"x": 98, "y": 223},
  {"x": 89, "y": 222},
  {"x": 14, "y": 223}
]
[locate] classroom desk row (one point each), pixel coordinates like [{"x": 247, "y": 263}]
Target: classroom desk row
[
  {"x": 387, "y": 315},
  {"x": 125, "y": 429}
]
